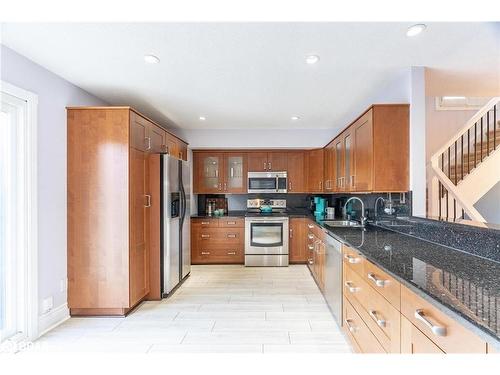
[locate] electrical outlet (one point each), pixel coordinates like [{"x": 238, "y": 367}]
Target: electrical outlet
[
  {"x": 47, "y": 304},
  {"x": 63, "y": 285}
]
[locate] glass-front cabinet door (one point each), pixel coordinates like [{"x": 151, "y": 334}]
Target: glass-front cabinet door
[
  {"x": 210, "y": 172},
  {"x": 235, "y": 166},
  {"x": 348, "y": 165},
  {"x": 339, "y": 165}
]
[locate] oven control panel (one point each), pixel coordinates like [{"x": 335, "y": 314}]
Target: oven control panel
[{"x": 274, "y": 203}]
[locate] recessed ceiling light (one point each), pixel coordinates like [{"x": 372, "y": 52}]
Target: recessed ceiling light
[
  {"x": 151, "y": 59},
  {"x": 202, "y": 118},
  {"x": 312, "y": 59},
  {"x": 415, "y": 29},
  {"x": 295, "y": 118}
]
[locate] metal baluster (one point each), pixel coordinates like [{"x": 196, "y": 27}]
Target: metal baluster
[
  {"x": 495, "y": 126},
  {"x": 454, "y": 209},
  {"x": 440, "y": 188},
  {"x": 468, "y": 151},
  {"x": 481, "y": 138},
  {"x": 456, "y": 171},
  {"x": 488, "y": 132},
  {"x": 462, "y": 157},
  {"x": 475, "y": 144}
]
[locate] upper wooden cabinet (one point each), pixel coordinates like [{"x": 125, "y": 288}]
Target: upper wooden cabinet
[
  {"x": 329, "y": 168},
  {"x": 372, "y": 154},
  {"x": 314, "y": 166},
  {"x": 275, "y": 161},
  {"x": 297, "y": 182},
  {"x": 149, "y": 137},
  {"x": 219, "y": 172}
]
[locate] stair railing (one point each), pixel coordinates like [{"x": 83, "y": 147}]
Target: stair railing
[{"x": 458, "y": 157}]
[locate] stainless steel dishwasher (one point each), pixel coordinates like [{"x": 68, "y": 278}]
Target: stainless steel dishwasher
[{"x": 333, "y": 277}]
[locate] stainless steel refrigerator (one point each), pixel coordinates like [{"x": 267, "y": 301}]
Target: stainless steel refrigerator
[{"x": 175, "y": 222}]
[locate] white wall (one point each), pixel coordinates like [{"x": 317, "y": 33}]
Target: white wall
[{"x": 54, "y": 94}]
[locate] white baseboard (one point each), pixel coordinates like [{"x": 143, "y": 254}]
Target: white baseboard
[{"x": 52, "y": 319}]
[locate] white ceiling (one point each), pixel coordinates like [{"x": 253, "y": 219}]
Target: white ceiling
[{"x": 250, "y": 75}]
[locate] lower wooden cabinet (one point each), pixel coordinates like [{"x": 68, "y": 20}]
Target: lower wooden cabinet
[
  {"x": 297, "y": 240},
  {"x": 379, "y": 312},
  {"x": 415, "y": 342},
  {"x": 217, "y": 240},
  {"x": 315, "y": 245}
]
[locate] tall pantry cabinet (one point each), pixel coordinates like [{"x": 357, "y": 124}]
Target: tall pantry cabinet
[{"x": 109, "y": 203}]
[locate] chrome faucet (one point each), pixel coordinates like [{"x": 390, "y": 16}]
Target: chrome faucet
[
  {"x": 375, "y": 216},
  {"x": 363, "y": 217}
]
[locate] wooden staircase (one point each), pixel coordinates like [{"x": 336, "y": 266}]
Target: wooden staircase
[{"x": 459, "y": 157}]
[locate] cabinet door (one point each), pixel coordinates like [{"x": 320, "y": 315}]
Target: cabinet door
[
  {"x": 172, "y": 147},
  {"x": 415, "y": 342},
  {"x": 183, "y": 151},
  {"x": 315, "y": 168},
  {"x": 156, "y": 139},
  {"x": 348, "y": 160},
  {"x": 235, "y": 173},
  {"x": 139, "y": 130},
  {"x": 339, "y": 164},
  {"x": 329, "y": 167},
  {"x": 209, "y": 169},
  {"x": 139, "y": 226},
  {"x": 276, "y": 161},
  {"x": 361, "y": 176},
  {"x": 257, "y": 162},
  {"x": 297, "y": 241},
  {"x": 296, "y": 176}
]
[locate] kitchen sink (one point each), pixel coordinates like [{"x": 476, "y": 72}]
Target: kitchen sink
[{"x": 343, "y": 223}]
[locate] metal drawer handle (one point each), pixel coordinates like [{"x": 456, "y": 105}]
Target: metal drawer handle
[
  {"x": 311, "y": 247},
  {"x": 351, "y": 287},
  {"x": 380, "y": 322},
  {"x": 437, "y": 330},
  {"x": 231, "y": 235},
  {"x": 231, "y": 253},
  {"x": 311, "y": 262},
  {"x": 378, "y": 282},
  {"x": 205, "y": 223},
  {"x": 351, "y": 259},
  {"x": 149, "y": 143},
  {"x": 310, "y": 236},
  {"x": 148, "y": 204},
  {"x": 205, "y": 236},
  {"x": 205, "y": 253},
  {"x": 231, "y": 222},
  {"x": 310, "y": 226},
  {"x": 352, "y": 328}
]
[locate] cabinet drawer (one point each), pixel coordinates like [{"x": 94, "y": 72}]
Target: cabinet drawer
[
  {"x": 220, "y": 235},
  {"x": 225, "y": 254},
  {"x": 415, "y": 342},
  {"x": 383, "y": 283},
  {"x": 443, "y": 330},
  {"x": 205, "y": 223},
  {"x": 232, "y": 222},
  {"x": 359, "y": 331},
  {"x": 354, "y": 260},
  {"x": 382, "y": 318}
]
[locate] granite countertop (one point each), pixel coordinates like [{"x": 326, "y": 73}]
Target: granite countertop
[{"x": 463, "y": 285}]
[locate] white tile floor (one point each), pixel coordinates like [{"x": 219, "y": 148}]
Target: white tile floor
[{"x": 218, "y": 309}]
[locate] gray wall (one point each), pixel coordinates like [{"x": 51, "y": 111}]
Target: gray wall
[{"x": 54, "y": 94}]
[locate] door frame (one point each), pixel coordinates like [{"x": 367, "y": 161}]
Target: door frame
[{"x": 30, "y": 218}]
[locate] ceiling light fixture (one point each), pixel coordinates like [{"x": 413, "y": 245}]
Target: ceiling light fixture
[
  {"x": 312, "y": 59},
  {"x": 151, "y": 59},
  {"x": 415, "y": 29},
  {"x": 202, "y": 118},
  {"x": 295, "y": 118}
]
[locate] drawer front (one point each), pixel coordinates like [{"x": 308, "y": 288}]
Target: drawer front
[
  {"x": 443, "y": 330},
  {"x": 359, "y": 331},
  {"x": 382, "y": 318},
  {"x": 232, "y": 222},
  {"x": 354, "y": 260},
  {"x": 415, "y": 342},
  {"x": 205, "y": 223},
  {"x": 225, "y": 254},
  {"x": 220, "y": 236},
  {"x": 383, "y": 283}
]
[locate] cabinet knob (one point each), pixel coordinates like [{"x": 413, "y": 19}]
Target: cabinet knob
[
  {"x": 231, "y": 235},
  {"x": 205, "y": 236},
  {"x": 205, "y": 223},
  {"x": 205, "y": 253},
  {"x": 231, "y": 253},
  {"x": 231, "y": 222}
]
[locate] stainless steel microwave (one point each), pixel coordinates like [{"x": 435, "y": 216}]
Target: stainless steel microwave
[{"x": 267, "y": 182}]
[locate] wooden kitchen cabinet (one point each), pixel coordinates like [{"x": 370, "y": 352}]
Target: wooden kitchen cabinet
[
  {"x": 316, "y": 249},
  {"x": 361, "y": 178},
  {"x": 217, "y": 241},
  {"x": 415, "y": 342},
  {"x": 314, "y": 167},
  {"x": 297, "y": 241},
  {"x": 330, "y": 177},
  {"x": 219, "y": 172},
  {"x": 297, "y": 182},
  {"x": 267, "y": 161},
  {"x": 109, "y": 227}
]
